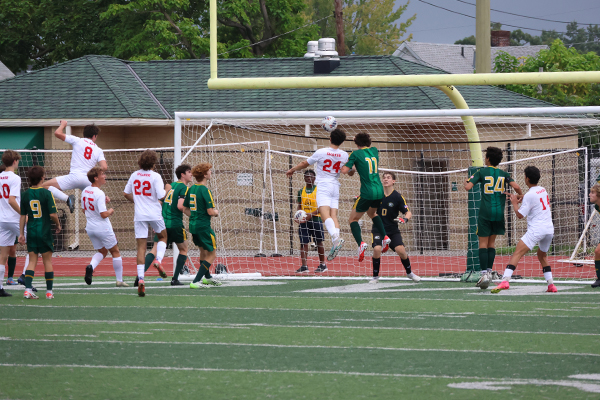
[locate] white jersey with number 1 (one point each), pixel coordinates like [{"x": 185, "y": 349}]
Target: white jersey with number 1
[
  {"x": 147, "y": 188},
  {"x": 329, "y": 163},
  {"x": 536, "y": 207},
  {"x": 86, "y": 154}
]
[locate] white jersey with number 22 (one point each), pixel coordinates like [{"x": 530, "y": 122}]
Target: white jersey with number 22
[
  {"x": 329, "y": 164},
  {"x": 147, "y": 188}
]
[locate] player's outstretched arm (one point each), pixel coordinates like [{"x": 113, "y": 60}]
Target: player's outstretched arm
[
  {"x": 348, "y": 171},
  {"x": 301, "y": 165},
  {"x": 517, "y": 188},
  {"x": 59, "y": 133}
]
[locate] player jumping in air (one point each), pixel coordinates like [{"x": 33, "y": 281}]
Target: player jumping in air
[
  {"x": 172, "y": 212},
  {"x": 199, "y": 204},
  {"x": 329, "y": 162},
  {"x": 145, "y": 189},
  {"x": 365, "y": 161},
  {"x": 490, "y": 222},
  {"x": 540, "y": 230},
  {"x": 312, "y": 226},
  {"x": 392, "y": 204},
  {"x": 85, "y": 155},
  {"x": 38, "y": 210},
  {"x": 99, "y": 228}
]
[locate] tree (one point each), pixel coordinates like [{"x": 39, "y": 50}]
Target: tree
[
  {"x": 556, "y": 58},
  {"x": 370, "y": 26},
  {"x": 469, "y": 40}
]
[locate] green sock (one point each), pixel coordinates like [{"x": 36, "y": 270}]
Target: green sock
[
  {"x": 597, "y": 264},
  {"x": 149, "y": 259},
  {"x": 49, "y": 280},
  {"x": 491, "y": 256},
  {"x": 483, "y": 258},
  {"x": 29, "y": 278},
  {"x": 181, "y": 259},
  {"x": 355, "y": 228},
  {"x": 378, "y": 224},
  {"x": 206, "y": 265},
  {"x": 12, "y": 263}
]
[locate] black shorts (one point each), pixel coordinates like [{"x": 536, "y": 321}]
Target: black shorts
[
  {"x": 310, "y": 229},
  {"x": 174, "y": 235},
  {"x": 396, "y": 238}
]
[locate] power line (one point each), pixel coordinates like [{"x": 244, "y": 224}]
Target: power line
[
  {"x": 496, "y": 22},
  {"x": 525, "y": 16}
]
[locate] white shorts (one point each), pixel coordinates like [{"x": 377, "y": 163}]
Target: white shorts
[
  {"x": 102, "y": 239},
  {"x": 543, "y": 239},
  {"x": 328, "y": 195},
  {"x": 9, "y": 232},
  {"x": 141, "y": 228},
  {"x": 73, "y": 181}
]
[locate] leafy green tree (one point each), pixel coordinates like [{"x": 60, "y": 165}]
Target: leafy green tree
[
  {"x": 469, "y": 40},
  {"x": 556, "y": 59}
]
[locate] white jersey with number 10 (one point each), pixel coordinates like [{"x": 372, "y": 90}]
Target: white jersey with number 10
[
  {"x": 147, "y": 188},
  {"x": 86, "y": 154},
  {"x": 329, "y": 164},
  {"x": 10, "y": 185}
]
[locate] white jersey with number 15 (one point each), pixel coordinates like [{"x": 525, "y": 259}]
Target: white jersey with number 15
[
  {"x": 147, "y": 188},
  {"x": 93, "y": 202},
  {"x": 86, "y": 154},
  {"x": 329, "y": 164}
]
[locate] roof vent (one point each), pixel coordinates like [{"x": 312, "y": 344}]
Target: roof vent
[
  {"x": 328, "y": 59},
  {"x": 312, "y": 48}
]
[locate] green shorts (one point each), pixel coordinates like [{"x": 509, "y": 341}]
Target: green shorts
[
  {"x": 363, "y": 205},
  {"x": 174, "y": 235},
  {"x": 206, "y": 239},
  {"x": 487, "y": 228},
  {"x": 39, "y": 245}
]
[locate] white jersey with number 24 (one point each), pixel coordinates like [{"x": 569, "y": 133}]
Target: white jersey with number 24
[
  {"x": 536, "y": 207},
  {"x": 86, "y": 154},
  {"x": 329, "y": 164}
]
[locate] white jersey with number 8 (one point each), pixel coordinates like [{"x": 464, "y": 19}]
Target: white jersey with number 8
[
  {"x": 93, "y": 202},
  {"x": 147, "y": 188},
  {"x": 329, "y": 164},
  {"x": 86, "y": 154},
  {"x": 536, "y": 207}
]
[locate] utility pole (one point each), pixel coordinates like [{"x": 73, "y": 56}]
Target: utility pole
[
  {"x": 483, "y": 38},
  {"x": 339, "y": 26}
]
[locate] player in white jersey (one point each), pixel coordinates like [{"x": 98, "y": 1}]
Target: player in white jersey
[
  {"x": 99, "y": 228},
  {"x": 329, "y": 162},
  {"x": 145, "y": 188},
  {"x": 540, "y": 229},
  {"x": 86, "y": 154}
]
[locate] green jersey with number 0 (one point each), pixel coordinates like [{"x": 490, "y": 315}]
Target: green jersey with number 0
[
  {"x": 494, "y": 183},
  {"x": 199, "y": 199},
  {"x": 366, "y": 162},
  {"x": 171, "y": 214}
]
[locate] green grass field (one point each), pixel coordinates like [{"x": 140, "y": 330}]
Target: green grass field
[{"x": 309, "y": 339}]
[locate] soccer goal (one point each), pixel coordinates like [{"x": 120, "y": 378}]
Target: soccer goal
[{"x": 427, "y": 150}]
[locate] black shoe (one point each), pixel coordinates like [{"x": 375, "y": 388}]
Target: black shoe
[
  {"x": 137, "y": 280},
  {"x": 302, "y": 269},
  {"x": 4, "y": 293},
  {"x": 71, "y": 203},
  {"x": 175, "y": 282},
  {"x": 321, "y": 268},
  {"x": 89, "y": 272},
  {"x": 21, "y": 280},
  {"x": 596, "y": 284},
  {"x": 33, "y": 288}
]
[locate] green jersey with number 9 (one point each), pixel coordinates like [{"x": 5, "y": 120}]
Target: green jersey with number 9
[
  {"x": 171, "y": 214},
  {"x": 494, "y": 183},
  {"x": 367, "y": 165},
  {"x": 38, "y": 204}
]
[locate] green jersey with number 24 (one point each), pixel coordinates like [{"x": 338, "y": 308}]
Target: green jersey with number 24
[{"x": 494, "y": 183}]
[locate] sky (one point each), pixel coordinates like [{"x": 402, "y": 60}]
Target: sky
[{"x": 434, "y": 25}]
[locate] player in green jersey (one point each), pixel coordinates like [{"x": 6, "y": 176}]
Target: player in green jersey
[
  {"x": 490, "y": 222},
  {"x": 200, "y": 206},
  {"x": 595, "y": 200},
  {"x": 365, "y": 161},
  {"x": 172, "y": 213},
  {"x": 38, "y": 210}
]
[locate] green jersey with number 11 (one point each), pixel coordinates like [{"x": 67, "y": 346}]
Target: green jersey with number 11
[
  {"x": 367, "y": 165},
  {"x": 494, "y": 183}
]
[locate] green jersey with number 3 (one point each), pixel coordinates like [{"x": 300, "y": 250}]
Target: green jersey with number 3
[
  {"x": 199, "y": 199},
  {"x": 494, "y": 183},
  {"x": 366, "y": 162},
  {"x": 171, "y": 214}
]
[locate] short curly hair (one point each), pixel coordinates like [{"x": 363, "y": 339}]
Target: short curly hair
[
  {"x": 147, "y": 160},
  {"x": 89, "y": 131},
  {"x": 494, "y": 154},
  {"x": 35, "y": 175},
  {"x": 200, "y": 171},
  {"x": 93, "y": 174},
  {"x": 362, "y": 139}
]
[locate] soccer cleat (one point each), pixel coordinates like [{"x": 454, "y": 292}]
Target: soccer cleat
[
  {"x": 502, "y": 286},
  {"x": 552, "y": 288},
  {"x": 374, "y": 280},
  {"x": 197, "y": 285},
  {"x": 484, "y": 281},
  {"x": 71, "y": 203},
  {"x": 135, "y": 283},
  {"x": 141, "y": 288},
  {"x": 175, "y": 282},
  {"x": 335, "y": 249},
  {"x": 11, "y": 282},
  {"x": 89, "y": 272},
  {"x": 211, "y": 282},
  {"x": 30, "y": 295},
  {"x": 49, "y": 296},
  {"x": 121, "y": 284},
  {"x": 361, "y": 251},
  {"x": 158, "y": 266},
  {"x": 415, "y": 278},
  {"x": 21, "y": 280},
  {"x": 386, "y": 244},
  {"x": 302, "y": 269},
  {"x": 321, "y": 268},
  {"x": 4, "y": 293},
  {"x": 596, "y": 284}
]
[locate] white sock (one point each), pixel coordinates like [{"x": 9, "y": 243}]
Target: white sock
[
  {"x": 331, "y": 229},
  {"x": 507, "y": 274},
  {"x": 337, "y": 232},
  {"x": 161, "y": 247},
  {"x": 548, "y": 277},
  {"x": 140, "y": 271},
  {"x": 26, "y": 263},
  {"x": 58, "y": 194},
  {"x": 49, "y": 291},
  {"x": 2, "y": 269},
  {"x": 118, "y": 267},
  {"x": 96, "y": 260}
]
